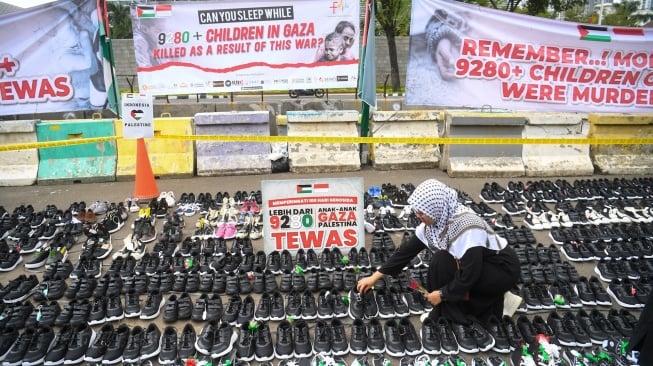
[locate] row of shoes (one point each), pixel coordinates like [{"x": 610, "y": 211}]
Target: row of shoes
[
  {"x": 634, "y": 269},
  {"x": 636, "y": 251},
  {"x": 388, "y": 195},
  {"x": 561, "y": 189},
  {"x": 73, "y": 344},
  {"x": 616, "y": 232},
  {"x": 563, "y": 295},
  {"x": 386, "y": 220},
  {"x": 548, "y": 273}
]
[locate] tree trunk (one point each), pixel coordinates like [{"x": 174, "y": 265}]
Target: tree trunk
[{"x": 395, "y": 82}]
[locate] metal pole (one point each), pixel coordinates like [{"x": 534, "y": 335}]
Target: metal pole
[{"x": 601, "y": 13}]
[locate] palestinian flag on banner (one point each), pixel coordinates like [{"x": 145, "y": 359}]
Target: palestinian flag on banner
[
  {"x": 603, "y": 34},
  {"x": 153, "y": 11},
  {"x": 313, "y": 188},
  {"x": 113, "y": 94}
]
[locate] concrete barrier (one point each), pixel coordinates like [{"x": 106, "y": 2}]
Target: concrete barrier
[
  {"x": 413, "y": 124},
  {"x": 20, "y": 167},
  {"x": 322, "y": 157},
  {"x": 622, "y": 159},
  {"x": 168, "y": 158},
  {"x": 228, "y": 158},
  {"x": 483, "y": 160},
  {"x": 83, "y": 163},
  {"x": 546, "y": 160}
]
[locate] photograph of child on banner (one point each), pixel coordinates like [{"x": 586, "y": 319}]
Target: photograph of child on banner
[
  {"x": 333, "y": 47},
  {"x": 434, "y": 48},
  {"x": 444, "y": 33},
  {"x": 347, "y": 33}
]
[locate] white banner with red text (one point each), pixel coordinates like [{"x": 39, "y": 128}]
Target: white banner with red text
[
  {"x": 51, "y": 60},
  {"x": 313, "y": 214},
  {"x": 233, "y": 45},
  {"x": 469, "y": 56}
]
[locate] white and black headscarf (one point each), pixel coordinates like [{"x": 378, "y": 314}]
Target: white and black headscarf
[{"x": 440, "y": 203}]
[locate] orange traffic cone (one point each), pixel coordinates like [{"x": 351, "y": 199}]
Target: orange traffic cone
[{"x": 145, "y": 186}]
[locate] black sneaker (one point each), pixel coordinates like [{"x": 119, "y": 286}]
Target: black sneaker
[
  {"x": 498, "y": 332},
  {"x": 356, "y": 304},
  {"x": 466, "y": 337},
  {"x": 514, "y": 334},
  {"x": 186, "y": 346},
  {"x": 151, "y": 342},
  {"x": 223, "y": 340},
  {"x": 205, "y": 339},
  {"x": 301, "y": 339},
  {"x": 99, "y": 346},
  {"x": 116, "y": 345},
  {"x": 246, "y": 312},
  {"x": 80, "y": 312},
  {"x": 409, "y": 337},
  {"x": 262, "y": 312},
  {"x": 358, "y": 338},
  {"x": 385, "y": 304},
  {"x": 263, "y": 348},
  {"x": 581, "y": 338},
  {"x": 132, "y": 350},
  {"x": 38, "y": 346},
  {"x": 38, "y": 259},
  {"x": 309, "y": 307},
  {"x": 153, "y": 305},
  {"x": 623, "y": 292},
  {"x": 199, "y": 308},
  {"x": 294, "y": 305},
  {"x": 602, "y": 297},
  {"x": 132, "y": 305},
  {"x": 168, "y": 354},
  {"x": 245, "y": 343},
  {"x": 98, "y": 312},
  {"x": 277, "y": 307},
  {"x": 171, "y": 311},
  {"x": 430, "y": 337},
  {"x": 484, "y": 339},
  {"x": 80, "y": 341},
  {"x": 526, "y": 329},
  {"x": 414, "y": 300},
  {"x": 19, "y": 347},
  {"x": 339, "y": 342},
  {"x": 230, "y": 314},
  {"x": 376, "y": 339},
  {"x": 213, "y": 307},
  {"x": 322, "y": 338},
  {"x": 324, "y": 305},
  {"x": 447, "y": 338},
  {"x": 25, "y": 289},
  {"x": 10, "y": 260},
  {"x": 563, "y": 334},
  {"x": 283, "y": 347},
  {"x": 58, "y": 348},
  {"x": 394, "y": 345}
]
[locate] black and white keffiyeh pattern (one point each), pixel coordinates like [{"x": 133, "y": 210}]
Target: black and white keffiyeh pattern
[{"x": 440, "y": 203}]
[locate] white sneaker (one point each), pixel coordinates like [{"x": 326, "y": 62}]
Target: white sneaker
[
  {"x": 170, "y": 199},
  {"x": 405, "y": 213}
]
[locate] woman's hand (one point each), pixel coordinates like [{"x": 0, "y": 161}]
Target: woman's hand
[
  {"x": 434, "y": 297},
  {"x": 367, "y": 283}
]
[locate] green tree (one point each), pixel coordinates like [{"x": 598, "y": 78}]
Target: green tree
[
  {"x": 120, "y": 21},
  {"x": 392, "y": 18},
  {"x": 622, "y": 14}
]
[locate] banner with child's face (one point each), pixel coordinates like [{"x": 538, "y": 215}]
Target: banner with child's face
[{"x": 234, "y": 45}]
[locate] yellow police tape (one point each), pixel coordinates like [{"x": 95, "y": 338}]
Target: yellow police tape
[{"x": 350, "y": 140}]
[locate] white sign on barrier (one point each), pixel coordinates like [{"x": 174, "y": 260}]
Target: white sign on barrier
[
  {"x": 313, "y": 214},
  {"x": 137, "y": 116}
]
